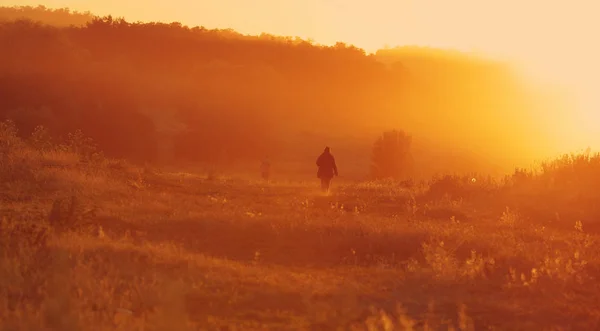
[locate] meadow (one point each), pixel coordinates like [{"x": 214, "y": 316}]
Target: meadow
[
  {"x": 93, "y": 243},
  {"x": 130, "y": 195}
]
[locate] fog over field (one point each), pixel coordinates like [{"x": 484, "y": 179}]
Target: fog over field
[{"x": 159, "y": 176}]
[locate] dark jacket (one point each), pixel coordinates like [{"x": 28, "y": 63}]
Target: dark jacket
[{"x": 326, "y": 164}]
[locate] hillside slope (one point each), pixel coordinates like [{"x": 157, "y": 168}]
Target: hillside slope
[
  {"x": 99, "y": 244},
  {"x": 156, "y": 92}
]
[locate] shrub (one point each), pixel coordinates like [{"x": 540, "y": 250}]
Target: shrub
[
  {"x": 391, "y": 156},
  {"x": 40, "y": 139},
  {"x": 8, "y": 137}
]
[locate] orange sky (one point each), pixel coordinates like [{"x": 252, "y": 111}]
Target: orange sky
[{"x": 553, "y": 40}]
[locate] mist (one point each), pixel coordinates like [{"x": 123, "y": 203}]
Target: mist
[{"x": 172, "y": 94}]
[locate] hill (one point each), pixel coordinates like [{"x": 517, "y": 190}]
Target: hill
[
  {"x": 93, "y": 243},
  {"x": 156, "y": 92},
  {"x": 54, "y": 17}
]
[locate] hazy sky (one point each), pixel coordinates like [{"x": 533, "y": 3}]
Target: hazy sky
[
  {"x": 503, "y": 27},
  {"x": 555, "y": 40}
]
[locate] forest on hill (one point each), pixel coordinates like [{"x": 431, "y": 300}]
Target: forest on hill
[
  {"x": 55, "y": 17},
  {"x": 157, "y": 92}
]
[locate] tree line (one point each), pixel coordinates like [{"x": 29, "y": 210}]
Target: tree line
[{"x": 154, "y": 92}]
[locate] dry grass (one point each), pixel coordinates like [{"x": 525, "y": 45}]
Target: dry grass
[{"x": 102, "y": 245}]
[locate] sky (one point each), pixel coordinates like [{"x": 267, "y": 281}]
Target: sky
[{"x": 552, "y": 41}]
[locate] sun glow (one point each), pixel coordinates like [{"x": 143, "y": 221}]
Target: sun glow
[{"x": 526, "y": 33}]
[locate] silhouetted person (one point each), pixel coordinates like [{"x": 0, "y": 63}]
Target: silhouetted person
[
  {"x": 327, "y": 169},
  {"x": 265, "y": 169}
]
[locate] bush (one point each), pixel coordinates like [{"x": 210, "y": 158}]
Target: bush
[
  {"x": 8, "y": 137},
  {"x": 40, "y": 139},
  {"x": 391, "y": 156},
  {"x": 565, "y": 188}
]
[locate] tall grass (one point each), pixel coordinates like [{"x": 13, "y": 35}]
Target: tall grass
[{"x": 89, "y": 243}]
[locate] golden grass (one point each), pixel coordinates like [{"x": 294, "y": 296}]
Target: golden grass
[{"x": 145, "y": 249}]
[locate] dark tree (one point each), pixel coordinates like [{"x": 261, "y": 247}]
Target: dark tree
[{"x": 391, "y": 157}]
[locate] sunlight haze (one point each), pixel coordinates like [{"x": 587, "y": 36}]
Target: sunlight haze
[
  {"x": 552, "y": 42},
  {"x": 299, "y": 165}
]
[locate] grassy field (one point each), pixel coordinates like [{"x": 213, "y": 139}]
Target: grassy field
[{"x": 97, "y": 244}]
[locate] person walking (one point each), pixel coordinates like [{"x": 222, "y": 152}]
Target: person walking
[{"x": 327, "y": 169}]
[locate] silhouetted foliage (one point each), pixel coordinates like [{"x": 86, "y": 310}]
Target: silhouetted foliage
[
  {"x": 223, "y": 93},
  {"x": 56, "y": 17},
  {"x": 391, "y": 157},
  {"x": 156, "y": 91}
]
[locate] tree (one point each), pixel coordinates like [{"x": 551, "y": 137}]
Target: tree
[{"x": 391, "y": 157}]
